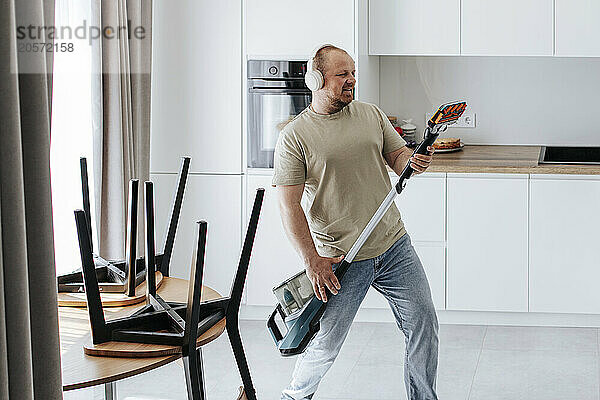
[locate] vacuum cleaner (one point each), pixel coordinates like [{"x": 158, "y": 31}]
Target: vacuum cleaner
[{"x": 298, "y": 307}]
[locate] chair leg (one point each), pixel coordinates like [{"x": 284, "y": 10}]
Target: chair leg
[
  {"x": 240, "y": 358},
  {"x": 194, "y": 375},
  {"x": 110, "y": 391}
]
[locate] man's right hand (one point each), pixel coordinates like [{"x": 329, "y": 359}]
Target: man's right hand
[{"x": 320, "y": 272}]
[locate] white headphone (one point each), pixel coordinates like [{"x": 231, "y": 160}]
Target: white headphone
[{"x": 314, "y": 78}]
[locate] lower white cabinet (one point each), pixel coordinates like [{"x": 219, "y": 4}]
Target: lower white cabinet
[
  {"x": 273, "y": 258},
  {"x": 422, "y": 205},
  {"x": 215, "y": 199},
  {"x": 564, "y": 262},
  {"x": 433, "y": 259},
  {"x": 487, "y": 242}
]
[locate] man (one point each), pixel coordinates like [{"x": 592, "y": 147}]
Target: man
[{"x": 336, "y": 151}]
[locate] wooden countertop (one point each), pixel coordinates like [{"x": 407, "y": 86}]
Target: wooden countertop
[
  {"x": 492, "y": 159},
  {"x": 503, "y": 159}
]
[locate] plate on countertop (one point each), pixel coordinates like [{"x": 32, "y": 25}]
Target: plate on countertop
[{"x": 450, "y": 150}]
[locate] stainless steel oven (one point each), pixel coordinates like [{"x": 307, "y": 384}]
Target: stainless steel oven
[{"x": 276, "y": 94}]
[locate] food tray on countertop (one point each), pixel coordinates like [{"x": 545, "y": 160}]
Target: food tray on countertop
[{"x": 450, "y": 150}]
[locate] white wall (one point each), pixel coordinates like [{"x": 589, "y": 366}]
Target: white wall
[{"x": 518, "y": 100}]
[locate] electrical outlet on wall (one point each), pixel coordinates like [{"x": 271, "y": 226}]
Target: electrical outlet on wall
[{"x": 467, "y": 120}]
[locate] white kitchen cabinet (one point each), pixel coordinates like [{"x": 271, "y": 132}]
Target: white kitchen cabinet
[
  {"x": 414, "y": 27},
  {"x": 564, "y": 264},
  {"x": 422, "y": 205},
  {"x": 216, "y": 199},
  {"x": 367, "y": 66},
  {"x": 433, "y": 259},
  {"x": 284, "y": 28},
  {"x": 510, "y": 27},
  {"x": 487, "y": 242},
  {"x": 197, "y": 86},
  {"x": 273, "y": 257},
  {"x": 576, "y": 28}
]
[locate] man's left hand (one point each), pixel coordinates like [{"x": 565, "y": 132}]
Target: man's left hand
[{"x": 420, "y": 162}]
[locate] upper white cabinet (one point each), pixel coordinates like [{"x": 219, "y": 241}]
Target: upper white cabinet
[
  {"x": 414, "y": 27},
  {"x": 197, "y": 86},
  {"x": 283, "y": 28},
  {"x": 487, "y": 242},
  {"x": 509, "y": 27},
  {"x": 564, "y": 264},
  {"x": 576, "y": 28},
  {"x": 566, "y": 28}
]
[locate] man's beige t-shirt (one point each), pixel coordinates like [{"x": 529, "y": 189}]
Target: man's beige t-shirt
[{"x": 339, "y": 158}]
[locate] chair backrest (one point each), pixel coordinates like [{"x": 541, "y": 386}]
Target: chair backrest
[
  {"x": 150, "y": 240},
  {"x": 85, "y": 193},
  {"x": 175, "y": 211},
  {"x": 132, "y": 220},
  {"x": 192, "y": 314},
  {"x": 131, "y": 236},
  {"x": 242, "y": 270},
  {"x": 100, "y": 332}
]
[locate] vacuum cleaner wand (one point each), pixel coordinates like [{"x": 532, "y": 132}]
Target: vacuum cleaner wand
[{"x": 303, "y": 328}]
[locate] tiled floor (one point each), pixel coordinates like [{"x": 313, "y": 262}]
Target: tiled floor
[{"x": 475, "y": 363}]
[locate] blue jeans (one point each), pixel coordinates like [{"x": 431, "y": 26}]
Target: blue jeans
[{"x": 397, "y": 274}]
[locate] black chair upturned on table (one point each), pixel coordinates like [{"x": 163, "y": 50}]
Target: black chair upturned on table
[
  {"x": 176, "y": 324},
  {"x": 125, "y": 275}
]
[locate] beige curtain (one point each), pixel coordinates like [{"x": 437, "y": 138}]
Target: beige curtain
[
  {"x": 122, "y": 152},
  {"x": 29, "y": 342}
]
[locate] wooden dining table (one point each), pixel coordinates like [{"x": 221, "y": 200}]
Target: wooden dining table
[{"x": 80, "y": 370}]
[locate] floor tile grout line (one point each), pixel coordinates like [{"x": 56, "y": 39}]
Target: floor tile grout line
[
  {"x": 364, "y": 348},
  {"x": 477, "y": 364},
  {"x": 355, "y": 363},
  {"x": 350, "y": 373},
  {"x": 555, "y": 347},
  {"x": 373, "y": 334}
]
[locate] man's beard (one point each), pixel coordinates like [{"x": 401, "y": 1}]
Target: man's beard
[{"x": 336, "y": 103}]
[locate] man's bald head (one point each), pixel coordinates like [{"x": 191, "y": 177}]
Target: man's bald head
[{"x": 322, "y": 56}]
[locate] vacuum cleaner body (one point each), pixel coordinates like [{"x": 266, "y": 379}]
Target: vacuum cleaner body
[{"x": 297, "y": 306}]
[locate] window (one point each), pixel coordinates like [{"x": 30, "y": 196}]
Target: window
[{"x": 73, "y": 121}]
